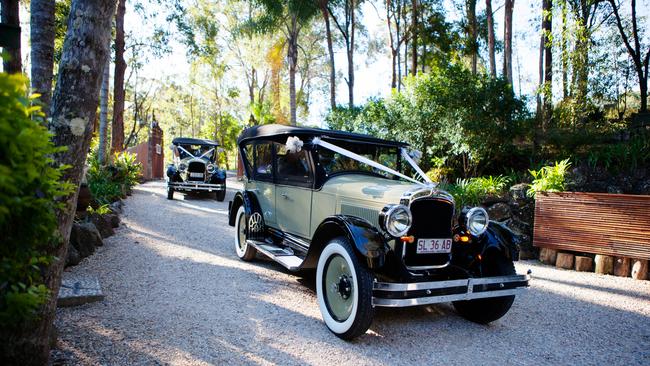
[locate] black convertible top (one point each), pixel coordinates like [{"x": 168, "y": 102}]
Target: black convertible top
[
  {"x": 275, "y": 130},
  {"x": 192, "y": 141}
]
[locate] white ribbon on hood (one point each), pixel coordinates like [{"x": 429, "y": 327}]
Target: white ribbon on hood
[{"x": 374, "y": 164}]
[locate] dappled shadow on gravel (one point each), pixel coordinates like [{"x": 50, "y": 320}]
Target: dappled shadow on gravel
[{"x": 176, "y": 293}]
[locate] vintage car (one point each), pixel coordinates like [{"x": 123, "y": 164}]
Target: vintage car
[
  {"x": 348, "y": 206},
  {"x": 194, "y": 168}
]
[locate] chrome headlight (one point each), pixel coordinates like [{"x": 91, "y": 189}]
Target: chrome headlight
[
  {"x": 477, "y": 221},
  {"x": 182, "y": 166},
  {"x": 211, "y": 168},
  {"x": 396, "y": 220}
]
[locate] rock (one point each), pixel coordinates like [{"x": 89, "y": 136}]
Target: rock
[
  {"x": 548, "y": 256},
  {"x": 499, "y": 212},
  {"x": 85, "y": 237},
  {"x": 584, "y": 264},
  {"x": 518, "y": 193},
  {"x": 564, "y": 260},
  {"x": 114, "y": 219},
  {"x": 73, "y": 257},
  {"x": 103, "y": 224},
  {"x": 604, "y": 264},
  {"x": 622, "y": 267},
  {"x": 77, "y": 291},
  {"x": 116, "y": 207},
  {"x": 640, "y": 269}
]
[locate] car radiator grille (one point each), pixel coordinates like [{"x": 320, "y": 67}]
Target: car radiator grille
[
  {"x": 369, "y": 214},
  {"x": 432, "y": 219},
  {"x": 194, "y": 169}
]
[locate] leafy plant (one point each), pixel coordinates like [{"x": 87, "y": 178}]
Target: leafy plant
[
  {"x": 474, "y": 191},
  {"x": 549, "y": 178},
  {"x": 108, "y": 183},
  {"x": 101, "y": 210},
  {"x": 30, "y": 189}
]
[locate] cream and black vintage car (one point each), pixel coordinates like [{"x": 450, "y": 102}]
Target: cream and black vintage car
[
  {"x": 195, "y": 168},
  {"x": 348, "y": 206}
]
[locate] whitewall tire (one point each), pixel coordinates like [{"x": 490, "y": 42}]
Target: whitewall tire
[
  {"x": 344, "y": 290},
  {"x": 244, "y": 251}
]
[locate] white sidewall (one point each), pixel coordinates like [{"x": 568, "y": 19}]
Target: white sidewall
[
  {"x": 334, "y": 247},
  {"x": 240, "y": 251}
]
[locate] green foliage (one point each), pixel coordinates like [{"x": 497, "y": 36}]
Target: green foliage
[
  {"x": 549, "y": 178},
  {"x": 625, "y": 156},
  {"x": 473, "y": 191},
  {"x": 109, "y": 183},
  {"x": 101, "y": 210},
  {"x": 470, "y": 121},
  {"x": 30, "y": 189}
]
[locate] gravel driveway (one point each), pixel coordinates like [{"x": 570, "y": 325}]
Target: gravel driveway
[{"x": 177, "y": 294}]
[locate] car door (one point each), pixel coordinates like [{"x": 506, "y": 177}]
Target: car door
[
  {"x": 261, "y": 183},
  {"x": 294, "y": 186}
]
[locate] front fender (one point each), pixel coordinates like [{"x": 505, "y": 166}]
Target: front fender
[
  {"x": 370, "y": 246},
  {"x": 500, "y": 237}
]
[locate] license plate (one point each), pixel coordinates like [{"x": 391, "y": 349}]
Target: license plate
[
  {"x": 428, "y": 246},
  {"x": 196, "y": 175}
]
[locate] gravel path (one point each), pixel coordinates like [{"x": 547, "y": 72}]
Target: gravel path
[{"x": 177, "y": 294}]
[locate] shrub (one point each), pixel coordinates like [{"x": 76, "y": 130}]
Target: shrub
[
  {"x": 108, "y": 183},
  {"x": 29, "y": 188},
  {"x": 473, "y": 191},
  {"x": 549, "y": 178}
]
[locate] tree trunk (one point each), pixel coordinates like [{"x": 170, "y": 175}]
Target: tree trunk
[
  {"x": 507, "y": 40},
  {"x": 103, "y": 111},
  {"x": 490, "y": 29},
  {"x": 330, "y": 50},
  {"x": 117, "y": 131},
  {"x": 414, "y": 37},
  {"x": 350, "y": 50},
  {"x": 472, "y": 33},
  {"x": 565, "y": 56},
  {"x": 292, "y": 57},
  {"x": 42, "y": 49},
  {"x": 11, "y": 16},
  {"x": 74, "y": 106},
  {"x": 547, "y": 28}
]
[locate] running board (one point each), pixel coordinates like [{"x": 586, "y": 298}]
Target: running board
[{"x": 284, "y": 256}]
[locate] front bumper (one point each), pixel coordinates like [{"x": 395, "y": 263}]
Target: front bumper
[
  {"x": 390, "y": 294},
  {"x": 196, "y": 186}
]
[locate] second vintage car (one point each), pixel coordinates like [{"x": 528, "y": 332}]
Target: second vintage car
[
  {"x": 348, "y": 206},
  {"x": 195, "y": 168}
]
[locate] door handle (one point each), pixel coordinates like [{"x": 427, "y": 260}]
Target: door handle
[{"x": 285, "y": 196}]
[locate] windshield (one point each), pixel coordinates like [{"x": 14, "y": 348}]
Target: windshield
[
  {"x": 197, "y": 151},
  {"x": 335, "y": 163}
]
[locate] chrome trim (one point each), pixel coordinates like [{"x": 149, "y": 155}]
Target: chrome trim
[
  {"x": 473, "y": 211},
  {"x": 398, "y": 303},
  {"x": 198, "y": 186},
  {"x": 384, "y": 218},
  {"x": 468, "y": 284}
]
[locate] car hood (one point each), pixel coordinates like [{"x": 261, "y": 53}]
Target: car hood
[{"x": 366, "y": 188}]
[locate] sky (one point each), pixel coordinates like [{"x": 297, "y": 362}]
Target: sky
[{"x": 373, "y": 75}]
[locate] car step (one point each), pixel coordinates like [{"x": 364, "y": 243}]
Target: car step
[{"x": 284, "y": 256}]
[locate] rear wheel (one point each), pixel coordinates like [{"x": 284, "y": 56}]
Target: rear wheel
[
  {"x": 244, "y": 251},
  {"x": 170, "y": 193},
  {"x": 484, "y": 311},
  {"x": 344, "y": 290}
]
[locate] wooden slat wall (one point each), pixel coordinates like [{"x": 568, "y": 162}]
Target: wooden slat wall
[{"x": 599, "y": 223}]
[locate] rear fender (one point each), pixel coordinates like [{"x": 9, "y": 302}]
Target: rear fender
[
  {"x": 248, "y": 200},
  {"x": 370, "y": 246}
]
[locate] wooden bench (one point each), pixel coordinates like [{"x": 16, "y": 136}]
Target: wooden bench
[{"x": 609, "y": 225}]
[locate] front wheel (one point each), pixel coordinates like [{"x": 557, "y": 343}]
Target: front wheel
[
  {"x": 484, "y": 311},
  {"x": 344, "y": 290},
  {"x": 244, "y": 251}
]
